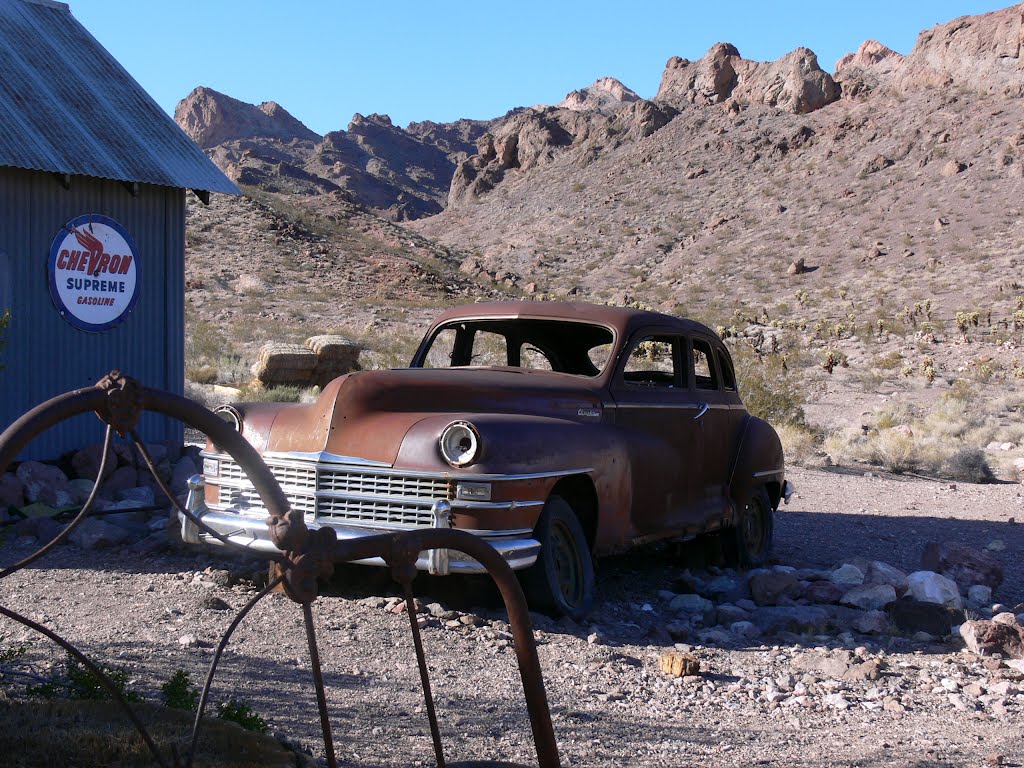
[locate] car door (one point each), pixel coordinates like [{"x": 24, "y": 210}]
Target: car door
[
  {"x": 654, "y": 409},
  {"x": 717, "y": 420}
]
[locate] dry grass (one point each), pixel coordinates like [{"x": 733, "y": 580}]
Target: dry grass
[
  {"x": 893, "y": 449},
  {"x": 799, "y": 443},
  {"x": 94, "y": 734}
]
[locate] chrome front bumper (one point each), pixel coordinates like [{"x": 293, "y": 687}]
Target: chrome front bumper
[{"x": 251, "y": 532}]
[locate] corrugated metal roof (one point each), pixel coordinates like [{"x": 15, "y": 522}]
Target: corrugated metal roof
[{"x": 67, "y": 106}]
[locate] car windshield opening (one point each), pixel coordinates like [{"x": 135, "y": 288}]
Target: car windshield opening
[{"x": 581, "y": 349}]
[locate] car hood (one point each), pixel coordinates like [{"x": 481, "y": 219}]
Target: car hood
[{"x": 366, "y": 415}]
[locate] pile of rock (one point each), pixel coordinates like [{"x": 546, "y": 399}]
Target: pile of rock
[
  {"x": 314, "y": 363},
  {"x": 129, "y": 505},
  {"x": 724, "y": 607}
]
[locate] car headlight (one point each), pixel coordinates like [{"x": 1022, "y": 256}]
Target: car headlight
[
  {"x": 231, "y": 415},
  {"x": 460, "y": 443}
]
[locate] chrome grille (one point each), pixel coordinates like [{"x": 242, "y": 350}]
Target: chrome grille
[{"x": 340, "y": 494}]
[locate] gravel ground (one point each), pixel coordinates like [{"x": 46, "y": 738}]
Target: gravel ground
[{"x": 786, "y": 700}]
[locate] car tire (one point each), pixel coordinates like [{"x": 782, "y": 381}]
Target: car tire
[
  {"x": 749, "y": 543},
  {"x": 561, "y": 582}
]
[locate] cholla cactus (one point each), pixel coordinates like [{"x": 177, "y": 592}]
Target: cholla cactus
[
  {"x": 832, "y": 358},
  {"x": 928, "y": 368}
]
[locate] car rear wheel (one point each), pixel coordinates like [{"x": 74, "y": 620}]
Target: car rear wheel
[
  {"x": 749, "y": 543},
  {"x": 561, "y": 582}
]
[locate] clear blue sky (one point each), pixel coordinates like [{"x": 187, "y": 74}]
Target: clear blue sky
[{"x": 324, "y": 60}]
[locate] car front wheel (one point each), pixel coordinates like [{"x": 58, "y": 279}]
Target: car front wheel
[
  {"x": 749, "y": 544},
  {"x": 561, "y": 582}
]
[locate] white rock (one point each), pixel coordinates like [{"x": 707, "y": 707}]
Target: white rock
[
  {"x": 996, "y": 545},
  {"x": 847, "y": 576},
  {"x": 931, "y": 587},
  {"x": 836, "y": 701}
]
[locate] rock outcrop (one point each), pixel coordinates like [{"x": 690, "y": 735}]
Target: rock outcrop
[
  {"x": 983, "y": 53},
  {"x": 606, "y": 93},
  {"x": 870, "y": 68},
  {"x": 211, "y": 118},
  {"x": 536, "y": 137},
  {"x": 794, "y": 83}
]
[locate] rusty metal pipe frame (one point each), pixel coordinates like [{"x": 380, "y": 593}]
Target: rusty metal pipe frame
[{"x": 119, "y": 401}]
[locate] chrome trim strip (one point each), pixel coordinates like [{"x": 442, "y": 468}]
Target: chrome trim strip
[
  {"x": 419, "y": 474},
  {"x": 323, "y": 457},
  {"x": 314, "y": 495},
  {"x": 518, "y": 552},
  {"x": 769, "y": 473}
]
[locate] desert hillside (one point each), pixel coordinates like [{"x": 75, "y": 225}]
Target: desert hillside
[{"x": 858, "y": 234}]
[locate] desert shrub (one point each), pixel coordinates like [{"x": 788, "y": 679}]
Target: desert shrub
[
  {"x": 768, "y": 390},
  {"x": 843, "y": 446},
  {"x": 243, "y": 714},
  {"x": 285, "y": 393},
  {"x": 893, "y": 415},
  {"x": 201, "y": 374},
  {"x": 968, "y": 465},
  {"x": 179, "y": 693},
  {"x": 799, "y": 443},
  {"x": 893, "y": 449},
  {"x": 77, "y": 681}
]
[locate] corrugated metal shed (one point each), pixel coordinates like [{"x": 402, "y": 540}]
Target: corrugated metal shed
[
  {"x": 68, "y": 107},
  {"x": 44, "y": 355}
]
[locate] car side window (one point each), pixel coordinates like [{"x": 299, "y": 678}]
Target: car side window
[
  {"x": 652, "y": 363},
  {"x": 489, "y": 349},
  {"x": 703, "y": 365},
  {"x": 725, "y": 366},
  {"x": 442, "y": 350},
  {"x": 533, "y": 357}
]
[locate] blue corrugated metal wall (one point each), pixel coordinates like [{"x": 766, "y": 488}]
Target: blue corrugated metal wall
[{"x": 45, "y": 355}]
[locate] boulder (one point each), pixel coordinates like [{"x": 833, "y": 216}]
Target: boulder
[
  {"x": 979, "y": 595},
  {"x": 86, "y": 462},
  {"x": 823, "y": 592},
  {"x": 872, "y": 623},
  {"x": 45, "y": 483},
  {"x": 869, "y": 597},
  {"x": 691, "y": 604},
  {"x": 932, "y": 587},
  {"x": 121, "y": 479},
  {"x": 988, "y": 637},
  {"x": 771, "y": 587},
  {"x": 965, "y": 565},
  {"x": 795, "y": 618},
  {"x": 883, "y": 573},
  {"x": 847, "y": 575},
  {"x": 910, "y": 615},
  {"x": 182, "y": 470},
  {"x": 93, "y": 533}
]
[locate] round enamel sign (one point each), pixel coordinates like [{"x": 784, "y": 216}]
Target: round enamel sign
[{"x": 93, "y": 272}]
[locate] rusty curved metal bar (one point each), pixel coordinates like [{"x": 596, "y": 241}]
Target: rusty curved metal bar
[{"x": 306, "y": 555}]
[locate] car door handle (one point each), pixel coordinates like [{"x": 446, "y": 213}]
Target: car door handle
[{"x": 701, "y": 411}]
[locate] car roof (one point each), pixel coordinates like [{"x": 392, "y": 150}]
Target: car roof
[{"x": 623, "y": 319}]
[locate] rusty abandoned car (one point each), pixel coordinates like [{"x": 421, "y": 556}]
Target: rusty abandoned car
[{"x": 555, "y": 432}]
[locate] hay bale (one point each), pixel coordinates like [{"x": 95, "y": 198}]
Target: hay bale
[
  {"x": 285, "y": 364},
  {"x": 335, "y": 356}
]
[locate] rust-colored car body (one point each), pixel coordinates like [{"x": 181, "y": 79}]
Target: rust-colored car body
[{"x": 631, "y": 417}]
